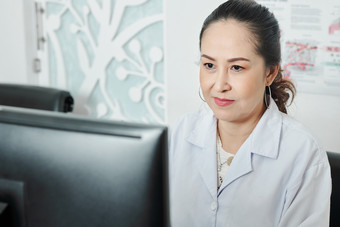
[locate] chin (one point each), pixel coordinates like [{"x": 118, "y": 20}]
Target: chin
[{"x": 225, "y": 116}]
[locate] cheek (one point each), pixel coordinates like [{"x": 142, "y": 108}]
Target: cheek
[
  {"x": 205, "y": 81},
  {"x": 251, "y": 89}
]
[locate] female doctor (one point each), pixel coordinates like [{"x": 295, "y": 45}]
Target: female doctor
[{"x": 243, "y": 162}]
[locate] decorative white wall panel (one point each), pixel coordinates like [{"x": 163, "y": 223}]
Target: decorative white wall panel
[{"x": 109, "y": 54}]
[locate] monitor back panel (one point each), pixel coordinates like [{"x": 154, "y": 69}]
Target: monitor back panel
[{"x": 82, "y": 178}]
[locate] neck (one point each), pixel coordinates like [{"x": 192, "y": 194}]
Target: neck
[{"x": 234, "y": 134}]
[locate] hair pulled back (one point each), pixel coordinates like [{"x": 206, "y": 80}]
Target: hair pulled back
[{"x": 266, "y": 35}]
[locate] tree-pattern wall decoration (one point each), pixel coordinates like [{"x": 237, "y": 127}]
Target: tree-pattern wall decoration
[{"x": 109, "y": 54}]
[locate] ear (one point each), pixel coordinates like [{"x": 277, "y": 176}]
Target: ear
[{"x": 271, "y": 74}]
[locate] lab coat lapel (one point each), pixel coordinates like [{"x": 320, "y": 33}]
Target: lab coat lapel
[
  {"x": 241, "y": 165},
  {"x": 204, "y": 138}
]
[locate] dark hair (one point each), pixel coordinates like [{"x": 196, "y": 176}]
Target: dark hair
[{"x": 265, "y": 29}]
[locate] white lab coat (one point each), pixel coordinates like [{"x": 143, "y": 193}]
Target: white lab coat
[{"x": 279, "y": 177}]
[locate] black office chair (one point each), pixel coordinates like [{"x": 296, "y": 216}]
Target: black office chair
[
  {"x": 334, "y": 161},
  {"x": 36, "y": 97}
]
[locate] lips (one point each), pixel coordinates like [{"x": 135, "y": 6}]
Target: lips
[{"x": 223, "y": 102}]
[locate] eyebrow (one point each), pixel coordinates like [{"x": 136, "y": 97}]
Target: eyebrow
[{"x": 229, "y": 60}]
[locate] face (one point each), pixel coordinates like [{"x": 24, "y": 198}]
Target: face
[{"x": 232, "y": 76}]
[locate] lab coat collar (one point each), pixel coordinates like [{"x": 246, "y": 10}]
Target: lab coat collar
[
  {"x": 204, "y": 130},
  {"x": 264, "y": 139}
]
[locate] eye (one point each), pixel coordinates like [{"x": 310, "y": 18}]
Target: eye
[
  {"x": 237, "y": 68},
  {"x": 209, "y": 66}
]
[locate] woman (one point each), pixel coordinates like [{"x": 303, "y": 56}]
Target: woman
[{"x": 243, "y": 161}]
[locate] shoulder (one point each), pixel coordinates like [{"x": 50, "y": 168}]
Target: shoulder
[
  {"x": 188, "y": 122},
  {"x": 295, "y": 130},
  {"x": 305, "y": 146},
  {"x": 190, "y": 129}
]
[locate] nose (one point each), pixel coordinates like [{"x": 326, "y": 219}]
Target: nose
[{"x": 222, "y": 82}]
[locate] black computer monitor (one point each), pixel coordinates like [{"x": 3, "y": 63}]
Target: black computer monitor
[{"x": 62, "y": 170}]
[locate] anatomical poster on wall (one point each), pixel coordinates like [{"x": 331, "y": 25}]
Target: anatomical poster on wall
[{"x": 310, "y": 41}]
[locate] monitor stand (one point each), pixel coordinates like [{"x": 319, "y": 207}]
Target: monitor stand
[
  {"x": 12, "y": 212},
  {"x": 5, "y": 215}
]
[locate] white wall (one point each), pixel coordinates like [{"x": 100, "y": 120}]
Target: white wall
[
  {"x": 12, "y": 54},
  {"x": 320, "y": 113},
  {"x": 16, "y": 41}
]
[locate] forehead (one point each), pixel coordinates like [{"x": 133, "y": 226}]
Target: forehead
[{"x": 228, "y": 36}]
